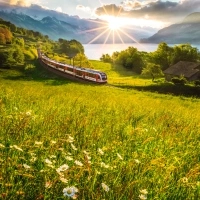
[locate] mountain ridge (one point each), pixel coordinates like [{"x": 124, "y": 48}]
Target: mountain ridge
[{"x": 186, "y": 31}]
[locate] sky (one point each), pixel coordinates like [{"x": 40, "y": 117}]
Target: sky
[{"x": 153, "y": 13}]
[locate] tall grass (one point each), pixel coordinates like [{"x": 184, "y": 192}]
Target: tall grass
[{"x": 106, "y": 142}]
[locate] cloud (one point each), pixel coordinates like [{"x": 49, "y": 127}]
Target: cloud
[
  {"x": 167, "y": 11},
  {"x": 59, "y": 9},
  {"x": 83, "y": 8},
  {"x": 24, "y": 3},
  {"x": 111, "y": 9}
]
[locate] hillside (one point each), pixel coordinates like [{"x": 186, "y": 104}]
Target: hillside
[
  {"x": 185, "y": 32},
  {"x": 123, "y": 140},
  {"x": 101, "y": 141}
]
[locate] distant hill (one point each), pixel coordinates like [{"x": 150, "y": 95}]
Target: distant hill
[
  {"x": 187, "y": 31},
  {"x": 60, "y": 25}
]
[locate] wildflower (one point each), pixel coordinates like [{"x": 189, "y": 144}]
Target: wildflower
[
  {"x": 105, "y": 187},
  {"x": 69, "y": 158},
  {"x": 20, "y": 193},
  {"x": 154, "y": 129},
  {"x": 28, "y": 113},
  {"x": 104, "y": 165},
  {"x": 47, "y": 161},
  {"x": 53, "y": 142},
  {"x": 137, "y": 161},
  {"x": 48, "y": 184},
  {"x": 52, "y": 156},
  {"x": 26, "y": 166},
  {"x": 16, "y": 147},
  {"x": 8, "y": 185},
  {"x": 100, "y": 151},
  {"x": 70, "y": 191},
  {"x": 143, "y": 194},
  {"x": 184, "y": 180},
  {"x": 73, "y": 147},
  {"x": 144, "y": 191},
  {"x": 88, "y": 157},
  {"x": 62, "y": 168},
  {"x": 119, "y": 156},
  {"x": 78, "y": 163},
  {"x": 70, "y": 139},
  {"x": 32, "y": 154},
  {"x": 38, "y": 143},
  {"x": 33, "y": 159},
  {"x": 2, "y": 146},
  {"x": 142, "y": 197},
  {"x": 64, "y": 180},
  {"x": 85, "y": 152},
  {"x": 15, "y": 108}
]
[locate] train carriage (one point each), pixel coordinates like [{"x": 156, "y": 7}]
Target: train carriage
[{"x": 78, "y": 72}]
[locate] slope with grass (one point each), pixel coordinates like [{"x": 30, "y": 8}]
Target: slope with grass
[{"x": 104, "y": 142}]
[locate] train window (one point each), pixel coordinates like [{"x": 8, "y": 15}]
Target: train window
[
  {"x": 104, "y": 77},
  {"x": 91, "y": 75},
  {"x": 98, "y": 76},
  {"x": 79, "y": 73},
  {"x": 70, "y": 69}
]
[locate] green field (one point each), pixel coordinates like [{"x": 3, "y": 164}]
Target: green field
[{"x": 114, "y": 142}]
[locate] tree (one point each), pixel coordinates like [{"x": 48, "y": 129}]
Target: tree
[
  {"x": 7, "y": 34},
  {"x": 185, "y": 52},
  {"x": 162, "y": 56},
  {"x": 2, "y": 38},
  {"x": 81, "y": 58},
  {"x": 6, "y": 59},
  {"x": 71, "y": 48},
  {"x": 18, "y": 55},
  {"x": 19, "y": 42},
  {"x": 132, "y": 59},
  {"x": 152, "y": 70},
  {"x": 106, "y": 58}
]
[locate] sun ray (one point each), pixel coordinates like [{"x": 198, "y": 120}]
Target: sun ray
[
  {"x": 113, "y": 36},
  {"x": 120, "y": 37},
  {"x": 119, "y": 11},
  {"x": 103, "y": 7},
  {"x": 111, "y": 27},
  {"x": 107, "y": 37},
  {"x": 98, "y": 36},
  {"x": 94, "y": 29},
  {"x": 129, "y": 36}
]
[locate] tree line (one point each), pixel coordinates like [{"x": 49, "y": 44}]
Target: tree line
[
  {"x": 153, "y": 63},
  {"x": 15, "y": 46}
]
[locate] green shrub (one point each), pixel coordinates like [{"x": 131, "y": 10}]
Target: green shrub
[
  {"x": 179, "y": 81},
  {"x": 197, "y": 83},
  {"x": 29, "y": 67}
]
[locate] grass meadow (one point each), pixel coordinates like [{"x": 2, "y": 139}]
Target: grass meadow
[{"x": 66, "y": 140}]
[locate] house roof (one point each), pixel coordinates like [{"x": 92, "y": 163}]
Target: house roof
[{"x": 187, "y": 69}]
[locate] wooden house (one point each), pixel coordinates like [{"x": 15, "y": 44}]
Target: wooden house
[{"x": 190, "y": 70}]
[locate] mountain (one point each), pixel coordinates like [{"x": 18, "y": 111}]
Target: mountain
[
  {"x": 60, "y": 25},
  {"x": 187, "y": 31}
]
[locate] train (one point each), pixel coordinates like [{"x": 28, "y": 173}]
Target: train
[{"x": 86, "y": 74}]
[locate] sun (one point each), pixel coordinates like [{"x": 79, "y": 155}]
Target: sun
[{"x": 114, "y": 25}]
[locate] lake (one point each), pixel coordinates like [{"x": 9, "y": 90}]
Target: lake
[{"x": 95, "y": 51}]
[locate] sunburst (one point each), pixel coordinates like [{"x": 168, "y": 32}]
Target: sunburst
[{"x": 110, "y": 26}]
